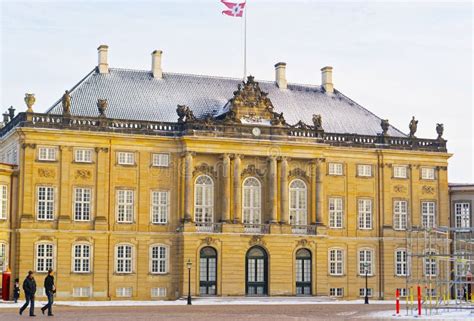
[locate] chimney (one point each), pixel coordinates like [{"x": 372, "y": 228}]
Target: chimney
[
  {"x": 156, "y": 64},
  {"x": 103, "y": 61},
  {"x": 326, "y": 79},
  {"x": 280, "y": 75}
]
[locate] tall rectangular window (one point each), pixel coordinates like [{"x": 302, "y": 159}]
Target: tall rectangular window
[
  {"x": 427, "y": 173},
  {"x": 159, "y": 207},
  {"x": 462, "y": 214},
  {"x": 82, "y": 258},
  {"x": 400, "y": 171},
  {"x": 83, "y": 155},
  {"x": 401, "y": 263},
  {"x": 430, "y": 263},
  {"x": 365, "y": 214},
  {"x": 44, "y": 257},
  {"x": 126, "y": 158},
  {"x": 82, "y": 204},
  {"x": 47, "y": 153},
  {"x": 366, "y": 262},
  {"x": 428, "y": 214},
  {"x": 400, "y": 215},
  {"x": 161, "y": 159},
  {"x": 336, "y": 169},
  {"x": 336, "y": 212},
  {"x": 3, "y": 257},
  {"x": 159, "y": 259},
  {"x": 125, "y": 206},
  {"x": 364, "y": 170},
  {"x": 123, "y": 259},
  {"x": 336, "y": 262},
  {"x": 45, "y": 203},
  {"x": 3, "y": 202}
]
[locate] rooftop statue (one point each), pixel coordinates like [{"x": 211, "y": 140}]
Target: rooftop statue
[
  {"x": 66, "y": 103},
  {"x": 30, "y": 101},
  {"x": 440, "y": 130},
  {"x": 385, "y": 126},
  {"x": 413, "y": 126},
  {"x": 102, "y": 106},
  {"x": 317, "y": 122}
]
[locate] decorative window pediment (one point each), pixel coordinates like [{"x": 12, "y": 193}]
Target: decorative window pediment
[{"x": 206, "y": 169}]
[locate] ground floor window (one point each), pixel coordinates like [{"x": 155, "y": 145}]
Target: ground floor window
[
  {"x": 208, "y": 271},
  {"x": 303, "y": 272},
  {"x": 257, "y": 273}
]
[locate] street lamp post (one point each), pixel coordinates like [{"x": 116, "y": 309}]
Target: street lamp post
[
  {"x": 366, "y": 297},
  {"x": 189, "y": 264}
]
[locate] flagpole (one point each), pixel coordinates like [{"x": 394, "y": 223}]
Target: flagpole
[{"x": 245, "y": 41}]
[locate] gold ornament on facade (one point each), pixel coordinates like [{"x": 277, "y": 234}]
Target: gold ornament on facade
[
  {"x": 204, "y": 169},
  {"x": 252, "y": 170},
  {"x": 256, "y": 240},
  {"x": 30, "y": 101},
  {"x": 304, "y": 243},
  {"x": 209, "y": 241},
  {"x": 428, "y": 189},
  {"x": 399, "y": 189},
  {"x": 298, "y": 172},
  {"x": 83, "y": 173},
  {"x": 46, "y": 172}
]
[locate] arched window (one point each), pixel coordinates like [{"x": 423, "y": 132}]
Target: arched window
[
  {"x": 207, "y": 271},
  {"x": 252, "y": 201},
  {"x": 204, "y": 199},
  {"x": 298, "y": 202},
  {"x": 303, "y": 272},
  {"x": 81, "y": 253},
  {"x": 257, "y": 271}
]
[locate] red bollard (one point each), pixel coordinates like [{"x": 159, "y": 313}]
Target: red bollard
[
  {"x": 419, "y": 300},
  {"x": 397, "y": 306},
  {"x": 6, "y": 285}
]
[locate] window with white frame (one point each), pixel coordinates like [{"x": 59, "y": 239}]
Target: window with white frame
[
  {"x": 82, "y": 204},
  {"x": 126, "y": 158},
  {"x": 3, "y": 256},
  {"x": 158, "y": 292},
  {"x": 336, "y": 169},
  {"x": 402, "y": 292},
  {"x": 366, "y": 262},
  {"x": 336, "y": 212},
  {"x": 204, "y": 199},
  {"x": 298, "y": 202},
  {"x": 125, "y": 205},
  {"x": 400, "y": 214},
  {"x": 365, "y": 214},
  {"x": 251, "y": 201},
  {"x": 82, "y": 258},
  {"x": 401, "y": 263},
  {"x": 84, "y": 292},
  {"x": 462, "y": 264},
  {"x": 364, "y": 170},
  {"x": 124, "y": 292},
  {"x": 159, "y": 207},
  {"x": 462, "y": 214},
  {"x": 400, "y": 171},
  {"x": 336, "y": 262},
  {"x": 44, "y": 257},
  {"x": 45, "y": 203},
  {"x": 427, "y": 173},
  {"x": 83, "y": 155},
  {"x": 124, "y": 258},
  {"x": 3, "y": 202},
  {"x": 362, "y": 292},
  {"x": 161, "y": 159},
  {"x": 428, "y": 214},
  {"x": 336, "y": 292},
  {"x": 47, "y": 153},
  {"x": 158, "y": 259},
  {"x": 431, "y": 268}
]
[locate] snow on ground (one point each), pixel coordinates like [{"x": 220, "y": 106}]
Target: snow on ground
[
  {"x": 207, "y": 301},
  {"x": 440, "y": 315}
]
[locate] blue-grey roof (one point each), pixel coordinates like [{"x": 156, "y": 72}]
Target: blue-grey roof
[{"x": 136, "y": 95}]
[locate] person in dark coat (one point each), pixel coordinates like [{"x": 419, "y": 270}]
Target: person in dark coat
[
  {"x": 29, "y": 286},
  {"x": 50, "y": 290},
  {"x": 16, "y": 290}
]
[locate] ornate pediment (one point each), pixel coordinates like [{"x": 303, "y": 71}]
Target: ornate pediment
[{"x": 252, "y": 170}]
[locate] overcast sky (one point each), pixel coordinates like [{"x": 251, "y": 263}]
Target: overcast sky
[{"x": 397, "y": 59}]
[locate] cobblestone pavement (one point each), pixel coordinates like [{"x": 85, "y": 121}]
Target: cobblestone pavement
[{"x": 207, "y": 313}]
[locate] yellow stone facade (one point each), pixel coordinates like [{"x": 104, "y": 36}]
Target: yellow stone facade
[{"x": 228, "y": 161}]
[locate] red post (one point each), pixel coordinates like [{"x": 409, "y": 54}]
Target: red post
[
  {"x": 397, "y": 306},
  {"x": 419, "y": 300},
  {"x": 6, "y": 285}
]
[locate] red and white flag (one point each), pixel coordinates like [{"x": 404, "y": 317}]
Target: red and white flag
[{"x": 234, "y": 9}]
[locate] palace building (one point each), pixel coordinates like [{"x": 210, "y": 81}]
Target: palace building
[{"x": 258, "y": 187}]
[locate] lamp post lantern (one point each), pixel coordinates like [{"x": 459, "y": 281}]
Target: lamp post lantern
[
  {"x": 366, "y": 297},
  {"x": 189, "y": 264}
]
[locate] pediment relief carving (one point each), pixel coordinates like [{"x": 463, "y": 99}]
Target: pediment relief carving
[
  {"x": 204, "y": 168},
  {"x": 252, "y": 170},
  {"x": 298, "y": 173},
  {"x": 46, "y": 172},
  {"x": 209, "y": 241},
  {"x": 83, "y": 173},
  {"x": 257, "y": 240},
  {"x": 399, "y": 189},
  {"x": 428, "y": 189}
]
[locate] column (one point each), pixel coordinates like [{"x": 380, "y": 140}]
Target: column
[
  {"x": 317, "y": 183},
  {"x": 284, "y": 215},
  {"x": 272, "y": 185},
  {"x": 188, "y": 185},
  {"x": 226, "y": 188},
  {"x": 237, "y": 187}
]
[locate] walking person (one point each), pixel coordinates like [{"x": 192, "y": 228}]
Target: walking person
[
  {"x": 16, "y": 290},
  {"x": 50, "y": 290},
  {"x": 29, "y": 287}
]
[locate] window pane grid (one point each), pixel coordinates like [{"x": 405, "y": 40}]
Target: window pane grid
[
  {"x": 125, "y": 206},
  {"x": 335, "y": 212},
  {"x": 159, "y": 257},
  {"x": 428, "y": 213},
  {"x": 251, "y": 201},
  {"x": 44, "y": 257},
  {"x": 159, "y": 207},
  {"x": 45, "y": 203},
  {"x": 3, "y": 201},
  {"x": 124, "y": 259},
  {"x": 400, "y": 213},
  {"x": 365, "y": 214},
  {"x": 82, "y": 258},
  {"x": 336, "y": 262}
]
